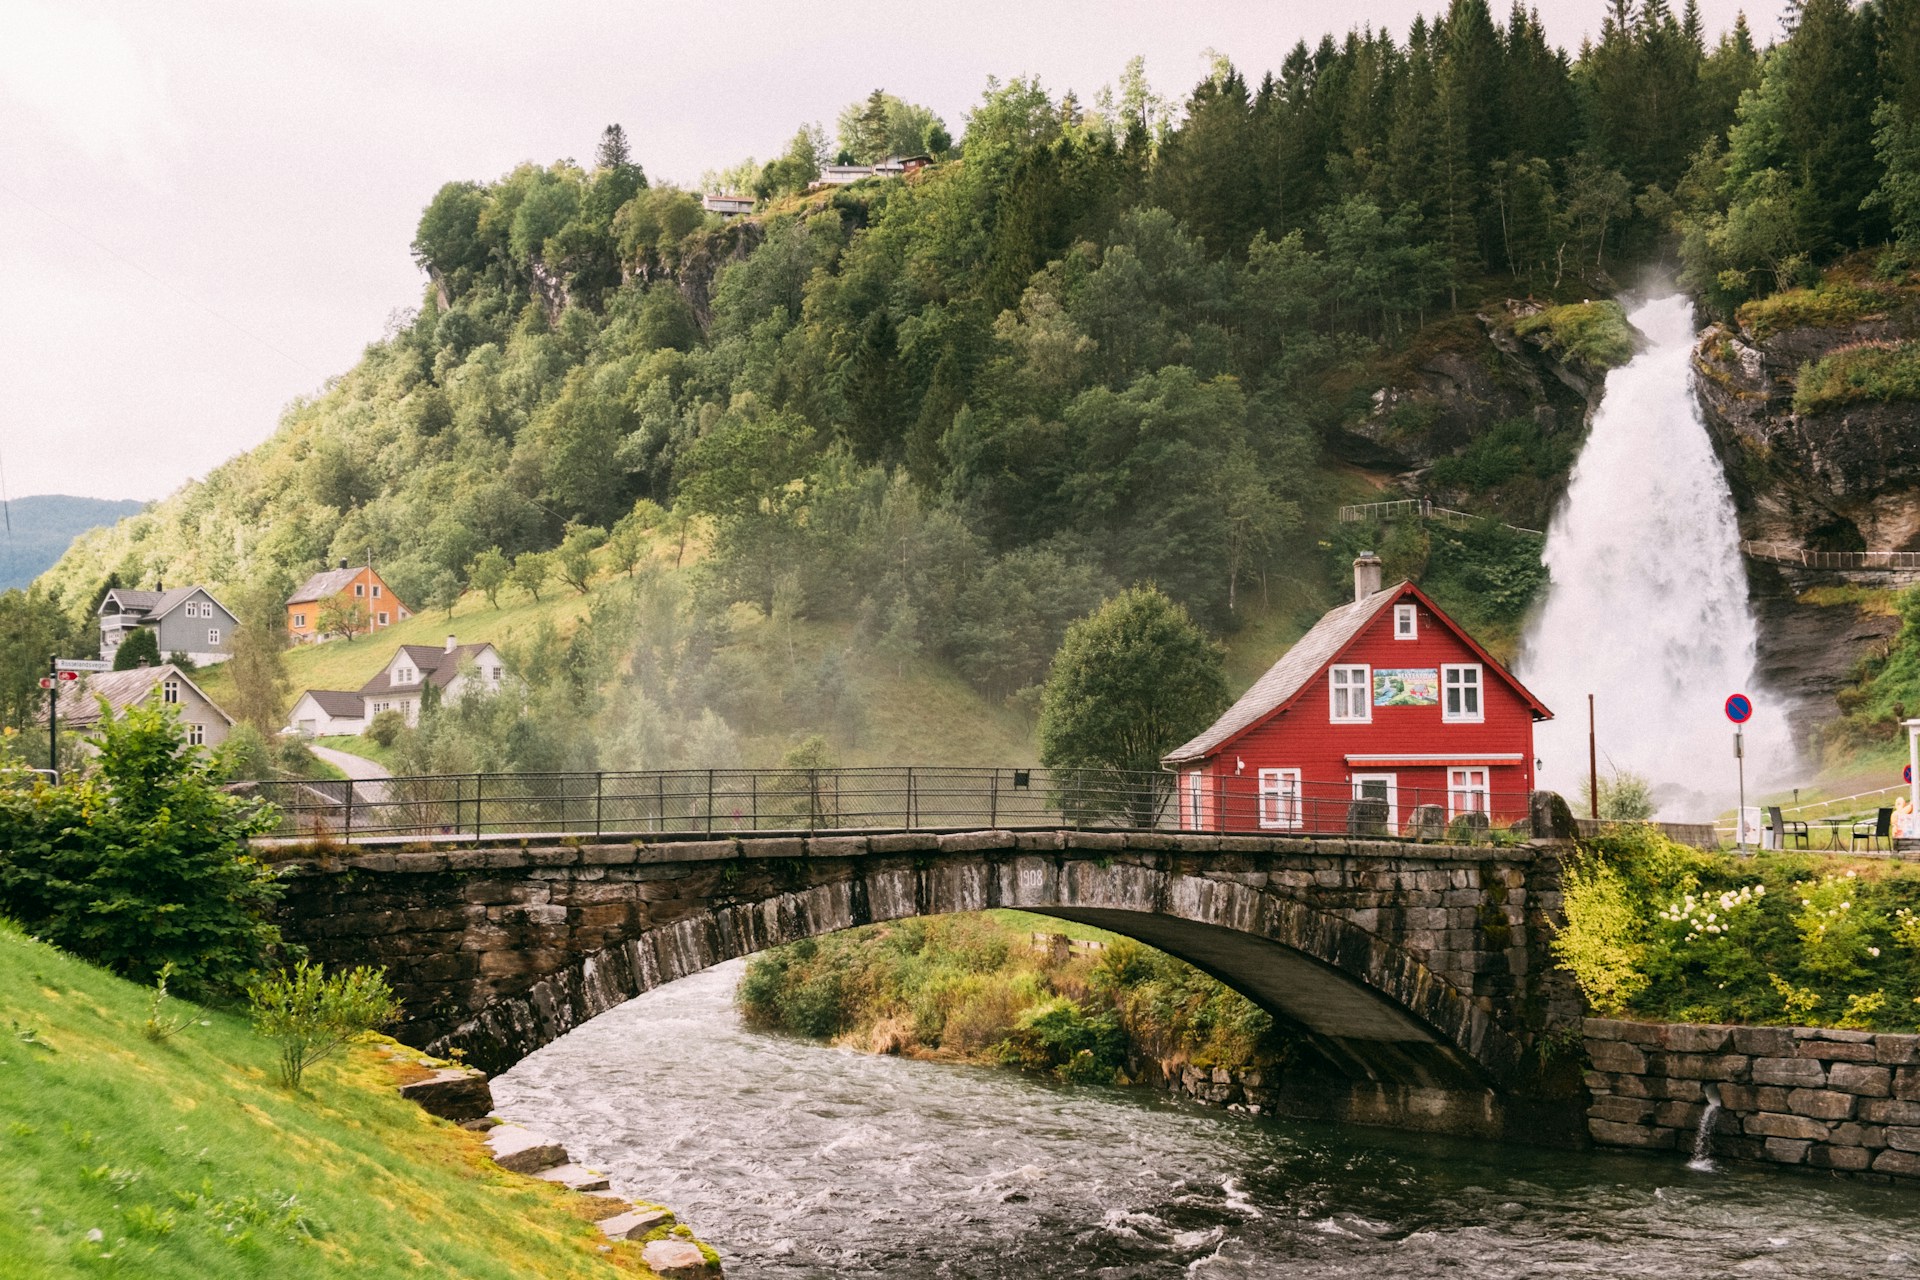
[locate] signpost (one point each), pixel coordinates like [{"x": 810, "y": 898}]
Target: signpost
[
  {"x": 58, "y": 671},
  {"x": 1740, "y": 710}
]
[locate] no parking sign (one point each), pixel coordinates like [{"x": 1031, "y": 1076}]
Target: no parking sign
[{"x": 1739, "y": 708}]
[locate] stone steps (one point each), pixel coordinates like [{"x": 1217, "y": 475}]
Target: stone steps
[{"x": 574, "y": 1177}]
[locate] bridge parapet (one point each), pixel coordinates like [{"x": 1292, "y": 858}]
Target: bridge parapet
[{"x": 1418, "y": 974}]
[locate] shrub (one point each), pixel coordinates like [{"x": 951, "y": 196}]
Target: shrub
[
  {"x": 312, "y": 1015},
  {"x": 1599, "y": 944},
  {"x": 386, "y": 727},
  {"x": 1596, "y": 332},
  {"x": 1826, "y": 306},
  {"x": 1850, "y": 375},
  {"x": 141, "y": 861}
]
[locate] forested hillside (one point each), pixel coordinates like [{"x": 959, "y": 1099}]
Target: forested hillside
[
  {"x": 1093, "y": 344},
  {"x": 39, "y": 529}
]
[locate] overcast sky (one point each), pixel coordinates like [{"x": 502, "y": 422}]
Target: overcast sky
[{"x": 205, "y": 206}]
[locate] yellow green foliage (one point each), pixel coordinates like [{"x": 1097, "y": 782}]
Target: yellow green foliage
[
  {"x": 1600, "y": 942},
  {"x": 1596, "y": 332},
  {"x": 1825, "y": 306},
  {"x": 1884, "y": 372}
]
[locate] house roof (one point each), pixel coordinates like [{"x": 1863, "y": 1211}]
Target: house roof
[
  {"x": 79, "y": 700},
  {"x": 436, "y": 664},
  {"x": 1301, "y": 666},
  {"x": 324, "y": 585},
  {"x": 341, "y": 704},
  {"x": 155, "y": 604},
  {"x": 131, "y": 601}
]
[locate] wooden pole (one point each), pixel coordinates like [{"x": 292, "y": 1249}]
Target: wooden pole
[{"x": 1593, "y": 766}]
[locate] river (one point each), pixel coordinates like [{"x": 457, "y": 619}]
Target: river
[{"x": 797, "y": 1161}]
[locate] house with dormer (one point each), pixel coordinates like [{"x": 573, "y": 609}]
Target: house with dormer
[
  {"x": 185, "y": 620},
  {"x": 80, "y": 701},
  {"x": 1386, "y": 718},
  {"x": 343, "y": 602},
  {"x": 455, "y": 670}
]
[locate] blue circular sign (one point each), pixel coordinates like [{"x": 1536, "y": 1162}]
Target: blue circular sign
[
  {"x": 1739, "y": 708},
  {"x": 1906, "y": 775}
]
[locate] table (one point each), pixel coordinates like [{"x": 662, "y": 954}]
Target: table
[{"x": 1833, "y": 826}]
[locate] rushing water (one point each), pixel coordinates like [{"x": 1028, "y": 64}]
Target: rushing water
[
  {"x": 796, "y": 1160},
  {"x": 1647, "y": 608}
]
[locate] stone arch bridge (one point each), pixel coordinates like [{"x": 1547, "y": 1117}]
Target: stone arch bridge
[{"x": 1416, "y": 976}]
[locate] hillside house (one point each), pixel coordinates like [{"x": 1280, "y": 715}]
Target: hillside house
[
  {"x": 726, "y": 205},
  {"x": 455, "y": 670},
  {"x": 185, "y": 620},
  {"x": 328, "y": 713},
  {"x": 1385, "y": 718},
  {"x": 79, "y": 701},
  {"x": 840, "y": 175},
  {"x": 331, "y": 602}
]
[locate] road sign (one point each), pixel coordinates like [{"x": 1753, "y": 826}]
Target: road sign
[
  {"x": 81, "y": 664},
  {"x": 1739, "y": 708},
  {"x": 46, "y": 682},
  {"x": 1906, "y": 775}
]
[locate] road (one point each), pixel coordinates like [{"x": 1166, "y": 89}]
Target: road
[{"x": 359, "y": 768}]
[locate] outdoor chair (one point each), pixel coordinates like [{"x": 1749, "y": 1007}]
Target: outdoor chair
[
  {"x": 1784, "y": 830},
  {"x": 1875, "y": 831}
]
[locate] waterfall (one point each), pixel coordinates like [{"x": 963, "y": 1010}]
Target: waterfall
[
  {"x": 1646, "y": 606},
  {"x": 1702, "y": 1161}
]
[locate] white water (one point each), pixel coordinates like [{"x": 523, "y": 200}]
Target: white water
[{"x": 1647, "y": 606}]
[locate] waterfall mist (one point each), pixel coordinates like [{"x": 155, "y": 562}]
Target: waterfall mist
[{"x": 1647, "y": 605}]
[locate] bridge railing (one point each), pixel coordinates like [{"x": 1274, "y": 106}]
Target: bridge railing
[
  {"x": 724, "y": 801},
  {"x": 1805, "y": 558}
]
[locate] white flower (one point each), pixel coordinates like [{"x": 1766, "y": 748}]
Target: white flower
[{"x": 1873, "y": 951}]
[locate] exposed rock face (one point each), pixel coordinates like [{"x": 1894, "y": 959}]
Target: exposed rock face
[
  {"x": 1842, "y": 480},
  {"x": 1456, "y": 383}
]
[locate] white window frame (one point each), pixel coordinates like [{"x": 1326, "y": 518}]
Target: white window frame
[
  {"x": 196, "y": 736},
  {"x": 1195, "y": 789},
  {"x": 170, "y": 692},
  {"x": 1406, "y": 622},
  {"x": 299, "y": 619},
  {"x": 359, "y": 590},
  {"x": 1339, "y": 680},
  {"x": 213, "y": 635},
  {"x": 376, "y": 591},
  {"x": 1280, "y": 807},
  {"x": 1477, "y": 686},
  {"x": 1469, "y": 790},
  {"x": 1393, "y": 795},
  {"x": 383, "y": 617},
  {"x": 403, "y": 675}
]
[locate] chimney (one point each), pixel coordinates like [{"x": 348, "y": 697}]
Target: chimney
[
  {"x": 1366, "y": 575},
  {"x": 452, "y": 644},
  {"x": 159, "y": 584},
  {"x": 343, "y": 562}
]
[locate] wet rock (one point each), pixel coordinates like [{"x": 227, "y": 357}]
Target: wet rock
[
  {"x": 453, "y": 1093},
  {"x": 574, "y": 1177},
  {"x": 672, "y": 1259},
  {"x": 635, "y": 1223},
  {"x": 524, "y": 1151}
]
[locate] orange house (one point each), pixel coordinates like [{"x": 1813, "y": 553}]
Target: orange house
[{"x": 340, "y": 602}]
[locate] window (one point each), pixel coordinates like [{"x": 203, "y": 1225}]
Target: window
[
  {"x": 403, "y": 675},
  {"x": 1380, "y": 786},
  {"x": 378, "y": 707},
  {"x": 376, "y": 591},
  {"x": 213, "y": 635},
  {"x": 359, "y": 588},
  {"x": 196, "y": 736},
  {"x": 1466, "y": 791},
  {"x": 170, "y": 691},
  {"x": 1461, "y": 696},
  {"x": 383, "y": 612},
  {"x": 493, "y": 673},
  {"x": 1196, "y": 792},
  {"x": 299, "y": 619},
  {"x": 1406, "y": 622},
  {"x": 1280, "y": 798},
  {"x": 1351, "y": 690}
]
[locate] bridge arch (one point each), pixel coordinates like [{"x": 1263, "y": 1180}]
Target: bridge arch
[{"x": 1336, "y": 939}]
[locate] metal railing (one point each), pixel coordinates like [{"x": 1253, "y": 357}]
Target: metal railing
[
  {"x": 1801, "y": 557},
  {"x": 724, "y": 801},
  {"x": 1424, "y": 509}
]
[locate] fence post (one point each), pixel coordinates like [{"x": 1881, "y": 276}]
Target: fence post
[
  {"x": 599, "y": 800},
  {"x": 993, "y": 798},
  {"x": 349, "y": 830},
  {"x": 813, "y": 799},
  {"x": 910, "y": 822},
  {"x": 478, "y": 780},
  {"x": 709, "y": 802},
  {"x": 753, "y": 794},
  {"x": 659, "y": 801}
]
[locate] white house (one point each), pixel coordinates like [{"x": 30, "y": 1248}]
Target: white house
[
  {"x": 328, "y": 713},
  {"x": 726, "y": 204},
  {"x": 455, "y": 670}
]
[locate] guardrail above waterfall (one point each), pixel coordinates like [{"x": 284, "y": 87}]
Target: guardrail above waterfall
[
  {"x": 1423, "y": 509},
  {"x": 1802, "y": 557},
  {"x": 725, "y": 801}
]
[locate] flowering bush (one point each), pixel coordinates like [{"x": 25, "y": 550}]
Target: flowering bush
[{"x": 1836, "y": 932}]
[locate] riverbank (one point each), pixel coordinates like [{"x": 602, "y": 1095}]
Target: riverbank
[{"x": 183, "y": 1158}]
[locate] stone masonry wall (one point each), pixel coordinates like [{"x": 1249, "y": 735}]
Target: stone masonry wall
[{"x": 1811, "y": 1096}]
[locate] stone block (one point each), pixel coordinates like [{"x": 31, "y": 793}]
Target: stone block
[
  {"x": 1889, "y": 1111},
  {"x": 675, "y": 1259},
  {"x": 1903, "y": 1138},
  {"x": 1103, "y": 841},
  {"x": 1675, "y": 1114},
  {"x": 608, "y": 855},
  {"x": 1868, "y": 1082},
  {"x": 774, "y": 847},
  {"x": 1858, "y": 1135},
  {"x": 635, "y": 1224},
  {"x": 1707, "y": 1066},
  {"x": 689, "y": 851},
  {"x": 1768, "y": 1124},
  {"x": 1851, "y": 1159},
  {"x": 522, "y": 1150},
  {"x": 1895, "y": 1050},
  {"x": 836, "y": 846},
  {"x": 1764, "y": 1042},
  {"x": 1906, "y": 1084},
  {"x": 1769, "y": 1097},
  {"x": 1835, "y": 1051},
  {"x": 1611, "y": 1133},
  {"x": 1839, "y": 1035},
  {"x": 1792, "y": 1072},
  {"x": 574, "y": 1177},
  {"x": 1739, "y": 1097},
  {"x": 1820, "y": 1104},
  {"x": 1698, "y": 1039},
  {"x": 1615, "y": 1055},
  {"x": 1787, "y": 1150},
  {"x": 1622, "y": 1110},
  {"x": 452, "y": 1093},
  {"x": 1903, "y": 1164}
]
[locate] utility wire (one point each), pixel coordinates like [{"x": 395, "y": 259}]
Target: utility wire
[{"x": 160, "y": 280}]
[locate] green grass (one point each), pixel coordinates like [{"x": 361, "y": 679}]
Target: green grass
[
  {"x": 1828, "y": 305},
  {"x": 1851, "y": 375},
  {"x": 1596, "y": 332},
  {"x": 190, "y": 1161},
  {"x": 359, "y": 745}
]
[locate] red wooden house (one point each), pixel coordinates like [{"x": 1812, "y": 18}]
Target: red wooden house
[{"x": 1386, "y": 701}]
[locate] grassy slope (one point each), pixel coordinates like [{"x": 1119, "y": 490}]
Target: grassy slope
[{"x": 192, "y": 1162}]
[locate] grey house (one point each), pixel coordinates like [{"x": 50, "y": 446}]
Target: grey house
[
  {"x": 79, "y": 701},
  {"x": 186, "y": 620}
]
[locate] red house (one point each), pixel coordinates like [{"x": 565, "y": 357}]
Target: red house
[{"x": 1387, "y": 701}]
